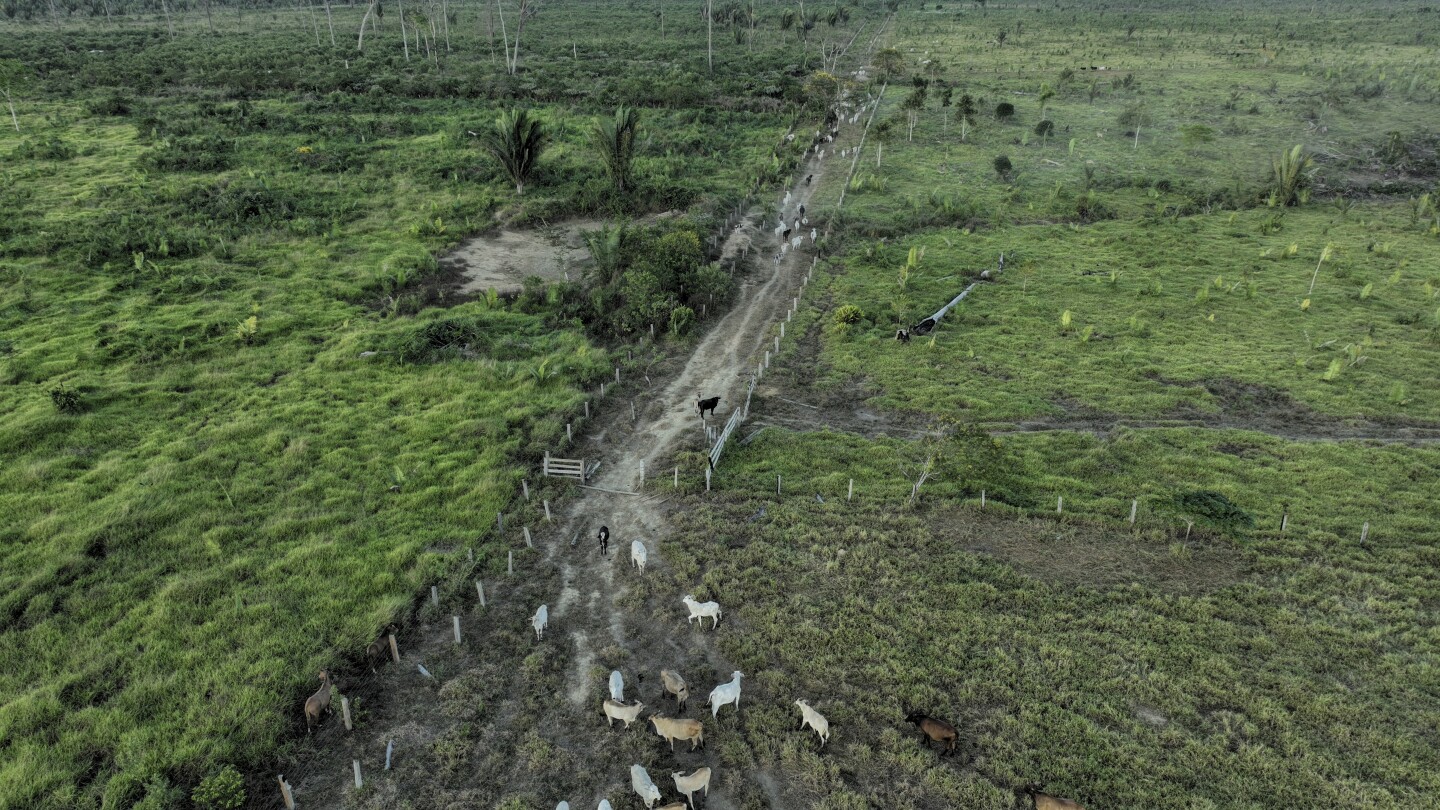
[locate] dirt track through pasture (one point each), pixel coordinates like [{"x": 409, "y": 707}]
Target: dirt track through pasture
[{"x": 594, "y": 621}]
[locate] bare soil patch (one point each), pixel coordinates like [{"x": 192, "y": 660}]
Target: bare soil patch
[
  {"x": 1079, "y": 555},
  {"x": 502, "y": 261}
]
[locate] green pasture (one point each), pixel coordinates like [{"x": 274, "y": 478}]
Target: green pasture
[
  {"x": 1216, "y": 94},
  {"x": 1152, "y": 319},
  {"x": 209, "y": 493}
]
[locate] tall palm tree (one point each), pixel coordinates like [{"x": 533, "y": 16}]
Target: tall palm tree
[
  {"x": 614, "y": 142},
  {"x": 516, "y": 142}
]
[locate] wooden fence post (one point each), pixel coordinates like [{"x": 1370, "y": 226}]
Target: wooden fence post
[
  {"x": 525, "y": 486},
  {"x": 510, "y": 563},
  {"x": 632, "y": 411},
  {"x": 285, "y": 794},
  {"x": 850, "y": 494},
  {"x": 587, "y": 409},
  {"x": 394, "y": 649},
  {"x": 569, "y": 433},
  {"x": 500, "y": 521},
  {"x": 434, "y": 595},
  {"x": 777, "y": 485},
  {"x": 707, "y": 478},
  {"x": 547, "y": 510},
  {"x": 777, "y": 340},
  {"x": 470, "y": 555},
  {"x": 642, "y": 475},
  {"x": 1134, "y": 505},
  {"x": 359, "y": 783},
  {"x": 1060, "y": 504},
  {"x": 617, "y": 374},
  {"x": 982, "y": 497},
  {"x": 456, "y": 619},
  {"x": 782, "y": 330},
  {"x": 1365, "y": 531},
  {"x": 602, "y": 390},
  {"x": 528, "y": 542},
  {"x": 677, "y": 477},
  {"x": 389, "y": 749},
  {"x": 345, "y": 712},
  {"x": 480, "y": 592}
]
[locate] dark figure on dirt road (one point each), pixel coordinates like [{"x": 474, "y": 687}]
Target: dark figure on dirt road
[
  {"x": 808, "y": 178},
  {"x": 604, "y": 540},
  {"x": 706, "y": 405}
]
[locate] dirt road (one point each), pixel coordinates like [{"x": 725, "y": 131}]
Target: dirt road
[{"x": 507, "y": 715}]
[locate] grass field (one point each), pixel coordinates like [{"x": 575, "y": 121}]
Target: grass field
[
  {"x": 211, "y": 488},
  {"x": 1135, "y": 319},
  {"x": 1091, "y": 662},
  {"x": 209, "y": 493},
  {"x": 1154, "y": 339}
]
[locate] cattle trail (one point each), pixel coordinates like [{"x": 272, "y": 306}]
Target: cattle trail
[{"x": 591, "y": 622}]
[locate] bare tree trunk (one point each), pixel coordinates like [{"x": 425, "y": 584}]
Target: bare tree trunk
[
  {"x": 330, "y": 21},
  {"x": 490, "y": 32},
  {"x": 314, "y": 21},
  {"x": 504, "y": 36},
  {"x": 709, "y": 37},
  {"x": 404, "y": 37},
  {"x": 11, "y": 103},
  {"x": 445, "y": 16},
  {"x": 165, "y": 7},
  {"x": 360, "y": 40},
  {"x": 209, "y": 19},
  {"x": 519, "y": 26}
]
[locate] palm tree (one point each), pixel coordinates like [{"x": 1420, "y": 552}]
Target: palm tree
[
  {"x": 614, "y": 142},
  {"x": 1291, "y": 175},
  {"x": 516, "y": 142}
]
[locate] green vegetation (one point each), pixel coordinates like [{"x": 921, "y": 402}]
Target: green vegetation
[
  {"x": 245, "y": 418},
  {"x": 1217, "y": 307},
  {"x": 1167, "y": 318}
]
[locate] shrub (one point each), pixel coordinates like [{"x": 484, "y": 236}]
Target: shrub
[
  {"x": 1290, "y": 176},
  {"x": 203, "y": 154},
  {"x": 849, "y": 314},
  {"x": 1004, "y": 111},
  {"x": 1003, "y": 167},
  {"x": 1214, "y": 509},
  {"x": 224, "y": 790},
  {"x": 66, "y": 399},
  {"x": 681, "y": 319},
  {"x": 1045, "y": 128},
  {"x": 48, "y": 148}
]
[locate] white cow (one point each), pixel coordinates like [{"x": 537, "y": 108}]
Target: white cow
[
  {"x": 640, "y": 781},
  {"x": 638, "y": 555},
  {"x": 540, "y": 620},
  {"x": 725, "y": 693}
]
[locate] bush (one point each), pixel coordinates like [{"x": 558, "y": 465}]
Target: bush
[
  {"x": 849, "y": 314},
  {"x": 220, "y": 791},
  {"x": 1004, "y": 111},
  {"x": 203, "y": 154},
  {"x": 1213, "y": 508},
  {"x": 48, "y": 148},
  {"x": 66, "y": 399},
  {"x": 1003, "y": 167},
  {"x": 1045, "y": 128}
]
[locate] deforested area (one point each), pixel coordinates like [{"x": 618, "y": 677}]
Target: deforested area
[{"x": 448, "y": 404}]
